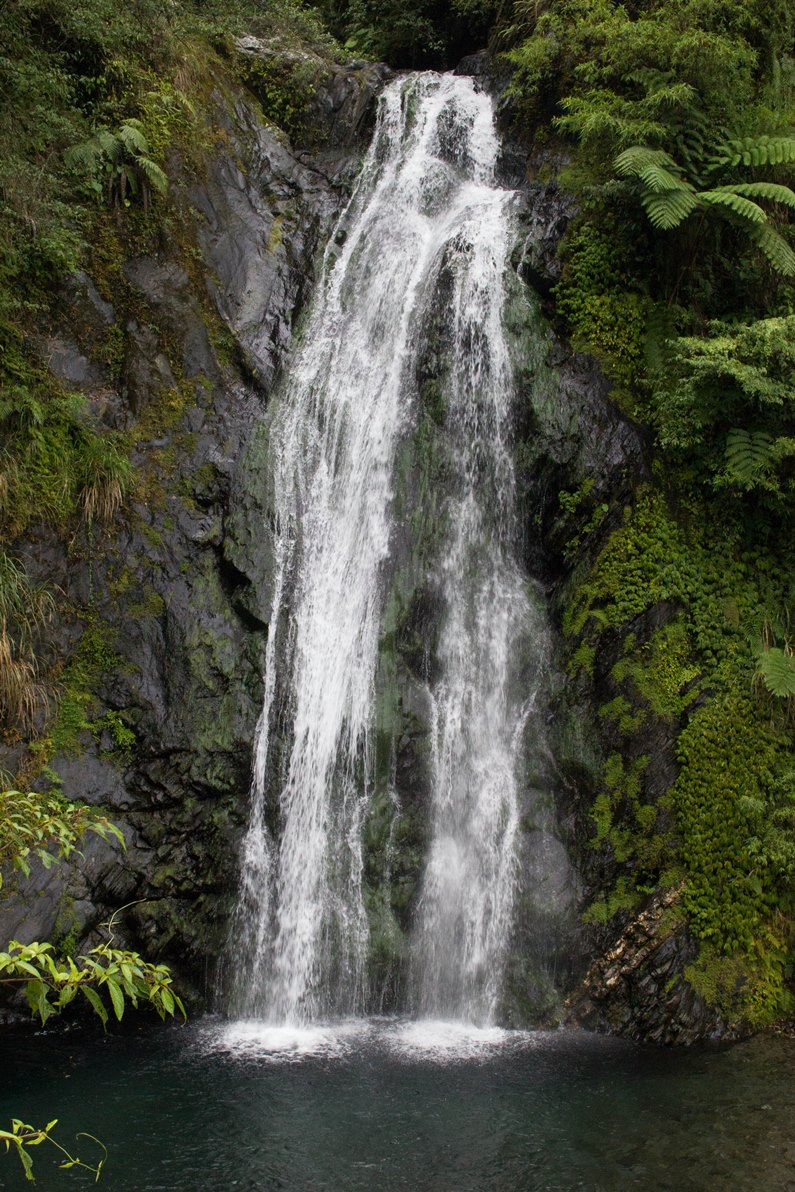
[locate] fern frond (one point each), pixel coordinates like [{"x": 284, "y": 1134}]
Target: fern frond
[
  {"x": 83, "y": 156},
  {"x": 653, "y": 167},
  {"x": 133, "y": 139},
  {"x": 766, "y": 190},
  {"x": 726, "y": 196},
  {"x": 776, "y": 668},
  {"x": 754, "y": 151},
  {"x": 668, "y": 210},
  {"x": 774, "y": 246},
  {"x": 154, "y": 175},
  {"x": 108, "y": 142},
  {"x": 749, "y": 456}
]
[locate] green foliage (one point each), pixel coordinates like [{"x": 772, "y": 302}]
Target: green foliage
[
  {"x": 284, "y": 84},
  {"x": 123, "y": 161},
  {"x": 727, "y": 826},
  {"x": 21, "y": 1136},
  {"x": 662, "y": 670},
  {"x": 25, "y": 609},
  {"x": 45, "y": 827},
  {"x": 76, "y": 712},
  {"x": 761, "y": 150},
  {"x": 603, "y": 314},
  {"x": 55, "y": 464},
  {"x": 776, "y": 671},
  {"x": 669, "y": 198},
  {"x": 724, "y": 402},
  {"x": 105, "y": 976}
]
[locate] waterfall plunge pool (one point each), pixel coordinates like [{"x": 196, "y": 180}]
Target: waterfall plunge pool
[{"x": 388, "y": 1106}]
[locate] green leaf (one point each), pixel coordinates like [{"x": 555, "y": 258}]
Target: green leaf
[
  {"x": 749, "y": 456},
  {"x": 116, "y": 996},
  {"x": 96, "y": 1002},
  {"x": 766, "y": 190},
  {"x": 667, "y": 211},
  {"x": 27, "y": 1163},
  {"x": 777, "y": 670},
  {"x": 754, "y": 151},
  {"x": 780, "y": 255},
  {"x": 726, "y": 196}
]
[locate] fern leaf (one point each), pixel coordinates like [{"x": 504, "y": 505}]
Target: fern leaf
[
  {"x": 776, "y": 668},
  {"x": 749, "y": 456},
  {"x": 668, "y": 210},
  {"x": 108, "y": 142},
  {"x": 726, "y": 196},
  {"x": 154, "y": 175},
  {"x": 754, "y": 151},
  {"x": 653, "y": 167},
  {"x": 84, "y": 156},
  {"x": 766, "y": 190},
  {"x": 133, "y": 139},
  {"x": 774, "y": 246}
]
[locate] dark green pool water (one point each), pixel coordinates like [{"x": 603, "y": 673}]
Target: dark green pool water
[{"x": 386, "y": 1108}]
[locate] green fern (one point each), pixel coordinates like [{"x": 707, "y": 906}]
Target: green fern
[
  {"x": 655, "y": 168},
  {"x": 726, "y": 196},
  {"x": 668, "y": 197},
  {"x": 124, "y": 158},
  {"x": 776, "y": 670},
  {"x": 749, "y": 456},
  {"x": 667, "y": 211},
  {"x": 766, "y": 190},
  {"x": 754, "y": 151},
  {"x": 780, "y": 255}
]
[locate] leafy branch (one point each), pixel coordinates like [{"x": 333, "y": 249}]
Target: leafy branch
[
  {"x": 104, "y": 973},
  {"x": 21, "y": 1135},
  {"x": 46, "y": 827}
]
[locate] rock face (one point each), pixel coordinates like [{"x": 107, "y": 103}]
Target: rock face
[
  {"x": 163, "y": 689},
  {"x": 637, "y": 988}
]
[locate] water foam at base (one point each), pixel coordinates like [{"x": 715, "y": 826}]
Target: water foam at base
[{"x": 420, "y": 1040}]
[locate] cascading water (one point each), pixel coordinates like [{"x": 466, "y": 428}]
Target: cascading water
[
  {"x": 426, "y": 203},
  {"x": 483, "y": 695}
]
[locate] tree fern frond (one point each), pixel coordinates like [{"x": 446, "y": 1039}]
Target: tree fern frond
[
  {"x": 726, "y": 196},
  {"x": 774, "y": 246},
  {"x": 776, "y": 669},
  {"x": 668, "y": 210},
  {"x": 133, "y": 139},
  {"x": 653, "y": 167},
  {"x": 749, "y": 456},
  {"x": 83, "y": 156},
  {"x": 154, "y": 175},
  {"x": 108, "y": 142},
  {"x": 766, "y": 190},
  {"x": 754, "y": 151}
]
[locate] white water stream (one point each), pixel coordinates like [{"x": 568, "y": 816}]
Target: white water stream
[{"x": 426, "y": 201}]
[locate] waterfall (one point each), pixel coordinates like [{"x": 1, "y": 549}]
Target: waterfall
[
  {"x": 426, "y": 205},
  {"x": 483, "y": 695}
]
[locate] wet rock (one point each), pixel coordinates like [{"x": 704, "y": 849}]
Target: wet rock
[
  {"x": 638, "y": 988},
  {"x": 178, "y": 590}
]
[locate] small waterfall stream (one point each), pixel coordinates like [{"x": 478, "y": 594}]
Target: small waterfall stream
[{"x": 426, "y": 202}]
